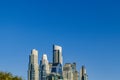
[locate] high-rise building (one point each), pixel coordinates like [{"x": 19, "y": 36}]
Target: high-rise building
[
  {"x": 73, "y": 67},
  {"x": 68, "y": 72},
  {"x": 75, "y": 72},
  {"x": 57, "y": 68},
  {"x": 57, "y": 54},
  {"x": 50, "y": 66},
  {"x": 75, "y": 75},
  {"x": 57, "y": 60},
  {"x": 44, "y": 68},
  {"x": 33, "y": 68},
  {"x": 83, "y": 74}
]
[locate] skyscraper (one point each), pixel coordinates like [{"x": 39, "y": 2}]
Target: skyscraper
[
  {"x": 57, "y": 54},
  {"x": 44, "y": 68},
  {"x": 68, "y": 72},
  {"x": 33, "y": 68},
  {"x": 75, "y": 72},
  {"x": 57, "y": 60},
  {"x": 83, "y": 74}
]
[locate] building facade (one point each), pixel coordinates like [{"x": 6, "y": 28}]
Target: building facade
[
  {"x": 54, "y": 76},
  {"x": 50, "y": 66},
  {"x": 44, "y": 68},
  {"x": 57, "y": 60},
  {"x": 68, "y": 72},
  {"x": 57, "y": 54},
  {"x": 75, "y": 72},
  {"x": 57, "y": 69},
  {"x": 83, "y": 74},
  {"x": 33, "y": 67}
]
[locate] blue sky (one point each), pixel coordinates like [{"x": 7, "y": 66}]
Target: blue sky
[{"x": 88, "y": 31}]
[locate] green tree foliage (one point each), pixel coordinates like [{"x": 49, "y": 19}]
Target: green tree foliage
[{"x": 8, "y": 76}]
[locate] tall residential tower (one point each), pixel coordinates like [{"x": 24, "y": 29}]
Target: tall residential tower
[
  {"x": 57, "y": 54},
  {"x": 44, "y": 68},
  {"x": 33, "y": 68},
  {"x": 83, "y": 74}
]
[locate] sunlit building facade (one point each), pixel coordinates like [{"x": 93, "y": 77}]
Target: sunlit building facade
[
  {"x": 68, "y": 72},
  {"x": 44, "y": 68},
  {"x": 33, "y": 68}
]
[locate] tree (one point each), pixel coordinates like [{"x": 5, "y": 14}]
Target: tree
[{"x": 8, "y": 76}]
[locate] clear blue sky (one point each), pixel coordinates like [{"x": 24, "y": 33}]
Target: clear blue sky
[{"x": 88, "y": 31}]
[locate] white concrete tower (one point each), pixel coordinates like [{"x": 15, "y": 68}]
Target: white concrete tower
[
  {"x": 45, "y": 62},
  {"x": 33, "y": 68},
  {"x": 44, "y": 68}
]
